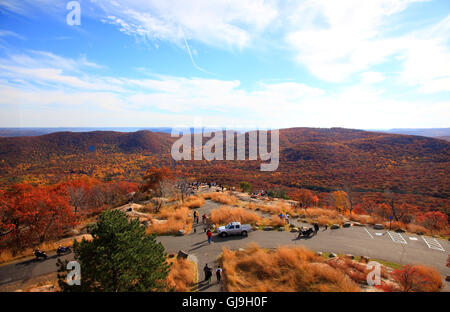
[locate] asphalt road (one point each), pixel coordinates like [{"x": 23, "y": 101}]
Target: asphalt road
[{"x": 359, "y": 241}]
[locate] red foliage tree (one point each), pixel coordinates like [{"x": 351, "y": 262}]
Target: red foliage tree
[
  {"x": 417, "y": 278},
  {"x": 433, "y": 220}
]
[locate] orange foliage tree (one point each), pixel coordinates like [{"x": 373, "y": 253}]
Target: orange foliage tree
[
  {"x": 153, "y": 178},
  {"x": 417, "y": 278},
  {"x": 305, "y": 197},
  {"x": 37, "y": 213}
]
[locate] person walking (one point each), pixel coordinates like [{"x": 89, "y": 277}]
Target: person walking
[
  {"x": 203, "y": 218},
  {"x": 208, "y": 273},
  {"x": 218, "y": 273},
  {"x": 209, "y": 234},
  {"x": 287, "y": 218}
]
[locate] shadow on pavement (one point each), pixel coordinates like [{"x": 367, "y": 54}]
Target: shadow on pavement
[
  {"x": 202, "y": 286},
  {"x": 218, "y": 239}
]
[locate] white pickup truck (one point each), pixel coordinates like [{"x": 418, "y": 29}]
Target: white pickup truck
[{"x": 234, "y": 228}]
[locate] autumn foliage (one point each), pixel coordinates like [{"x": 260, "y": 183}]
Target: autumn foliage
[
  {"x": 416, "y": 278},
  {"x": 43, "y": 213}
]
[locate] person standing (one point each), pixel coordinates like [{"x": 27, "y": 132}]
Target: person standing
[
  {"x": 196, "y": 216},
  {"x": 218, "y": 273},
  {"x": 287, "y": 218},
  {"x": 209, "y": 234},
  {"x": 207, "y": 271},
  {"x": 203, "y": 218},
  {"x": 316, "y": 228}
]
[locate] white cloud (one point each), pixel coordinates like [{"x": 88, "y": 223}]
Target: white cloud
[
  {"x": 68, "y": 96},
  {"x": 347, "y": 39},
  {"x": 222, "y": 23},
  {"x": 371, "y": 77}
]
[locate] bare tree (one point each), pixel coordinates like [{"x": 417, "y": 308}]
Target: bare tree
[
  {"x": 183, "y": 187},
  {"x": 77, "y": 197},
  {"x": 348, "y": 189},
  {"x": 391, "y": 201}
]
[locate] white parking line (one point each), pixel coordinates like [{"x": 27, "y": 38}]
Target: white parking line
[
  {"x": 433, "y": 243},
  {"x": 368, "y": 232},
  {"x": 397, "y": 238}
]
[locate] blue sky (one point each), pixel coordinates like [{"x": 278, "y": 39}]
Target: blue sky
[{"x": 238, "y": 63}]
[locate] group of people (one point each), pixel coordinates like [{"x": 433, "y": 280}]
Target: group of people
[
  {"x": 208, "y": 273},
  {"x": 196, "y": 217},
  {"x": 284, "y": 217}
]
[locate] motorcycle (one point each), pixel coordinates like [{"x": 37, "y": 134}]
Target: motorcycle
[
  {"x": 63, "y": 250},
  {"x": 305, "y": 233},
  {"x": 40, "y": 254}
]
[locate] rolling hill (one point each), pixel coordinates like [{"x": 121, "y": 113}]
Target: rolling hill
[{"x": 414, "y": 167}]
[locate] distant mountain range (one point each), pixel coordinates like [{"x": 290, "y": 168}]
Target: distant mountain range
[
  {"x": 440, "y": 133},
  {"x": 416, "y": 168}
]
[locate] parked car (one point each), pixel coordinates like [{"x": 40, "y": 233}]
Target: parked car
[{"x": 233, "y": 228}]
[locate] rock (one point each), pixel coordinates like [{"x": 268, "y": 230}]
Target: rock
[
  {"x": 268, "y": 228},
  {"x": 350, "y": 256},
  {"x": 346, "y": 224},
  {"x": 378, "y": 226},
  {"x": 74, "y": 232},
  {"x": 400, "y": 230},
  {"x": 45, "y": 288},
  {"x": 334, "y": 226},
  {"x": 182, "y": 254},
  {"x": 180, "y": 232},
  {"x": 147, "y": 223},
  {"x": 294, "y": 230},
  {"x": 365, "y": 259},
  {"x": 332, "y": 255}
]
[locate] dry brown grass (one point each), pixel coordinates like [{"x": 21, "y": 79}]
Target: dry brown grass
[
  {"x": 323, "y": 216},
  {"x": 286, "y": 269},
  {"x": 222, "y": 198},
  {"x": 183, "y": 274},
  {"x": 174, "y": 219},
  {"x": 226, "y": 214},
  {"x": 276, "y": 208},
  {"x": 415, "y": 228},
  {"x": 275, "y": 220},
  {"x": 194, "y": 202}
]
